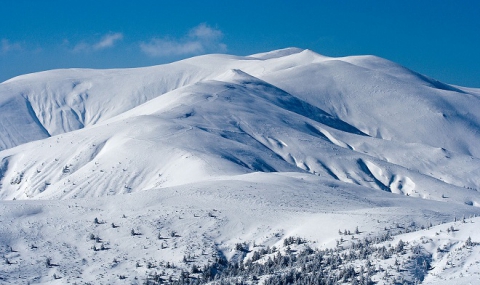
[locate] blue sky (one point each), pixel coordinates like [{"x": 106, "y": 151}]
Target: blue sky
[{"x": 438, "y": 38}]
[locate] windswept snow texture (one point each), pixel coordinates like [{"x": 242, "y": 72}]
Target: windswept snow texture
[{"x": 277, "y": 142}]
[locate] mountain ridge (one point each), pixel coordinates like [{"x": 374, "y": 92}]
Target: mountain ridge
[{"x": 229, "y": 113}]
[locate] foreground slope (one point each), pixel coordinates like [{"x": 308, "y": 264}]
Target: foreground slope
[{"x": 196, "y": 224}]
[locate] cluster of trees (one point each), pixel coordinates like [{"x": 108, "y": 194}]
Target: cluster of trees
[
  {"x": 351, "y": 264},
  {"x": 293, "y": 240}
]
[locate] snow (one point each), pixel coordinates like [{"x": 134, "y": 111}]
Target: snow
[
  {"x": 225, "y": 149},
  {"x": 255, "y": 208}
]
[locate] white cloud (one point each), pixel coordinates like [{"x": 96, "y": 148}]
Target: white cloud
[
  {"x": 81, "y": 47},
  {"x": 6, "y": 46},
  {"x": 108, "y": 41},
  {"x": 163, "y": 47},
  {"x": 203, "y": 31},
  {"x": 200, "y": 39}
]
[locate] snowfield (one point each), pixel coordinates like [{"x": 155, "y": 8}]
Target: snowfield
[{"x": 290, "y": 165}]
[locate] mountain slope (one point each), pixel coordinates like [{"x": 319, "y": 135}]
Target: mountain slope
[
  {"x": 232, "y": 125},
  {"x": 60, "y": 101},
  {"x": 386, "y": 101}
]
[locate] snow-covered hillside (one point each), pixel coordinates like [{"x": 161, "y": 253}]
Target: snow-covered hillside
[{"x": 224, "y": 150}]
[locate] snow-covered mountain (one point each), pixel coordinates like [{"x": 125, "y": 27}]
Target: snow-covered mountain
[{"x": 224, "y": 149}]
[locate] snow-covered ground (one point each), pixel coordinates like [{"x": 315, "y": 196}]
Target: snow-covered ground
[{"x": 181, "y": 163}]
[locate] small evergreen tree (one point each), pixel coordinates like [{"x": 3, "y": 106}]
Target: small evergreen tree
[{"x": 469, "y": 242}]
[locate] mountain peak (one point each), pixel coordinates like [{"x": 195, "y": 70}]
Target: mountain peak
[
  {"x": 277, "y": 53},
  {"x": 235, "y": 75}
]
